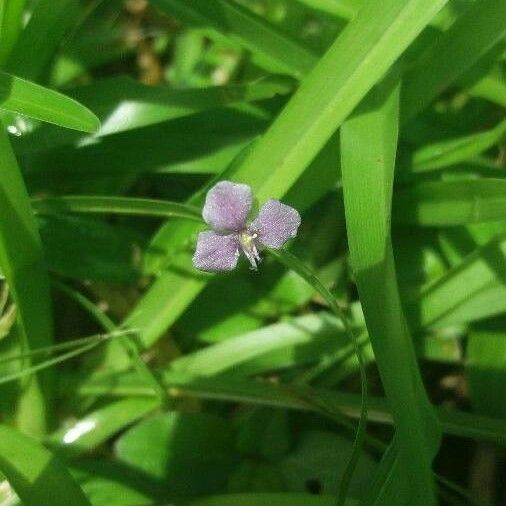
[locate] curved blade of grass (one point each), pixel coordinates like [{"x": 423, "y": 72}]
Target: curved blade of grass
[
  {"x": 35, "y": 474},
  {"x": 368, "y": 147},
  {"x": 265, "y": 41},
  {"x": 355, "y": 62},
  {"x": 264, "y": 393},
  {"x": 292, "y": 262},
  {"x": 451, "y": 203},
  {"x": 443, "y": 154},
  {"x": 30, "y": 99},
  {"x": 22, "y": 263},
  {"x": 27, "y": 371},
  {"x": 474, "y": 32},
  {"x": 116, "y": 205},
  {"x": 471, "y": 290}
]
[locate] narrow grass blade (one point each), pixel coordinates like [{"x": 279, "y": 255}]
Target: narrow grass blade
[
  {"x": 474, "y": 32},
  {"x": 22, "y": 263},
  {"x": 35, "y": 474},
  {"x": 116, "y": 205},
  {"x": 472, "y": 290},
  {"x": 354, "y": 63},
  {"x": 454, "y": 151},
  {"x": 27, "y": 98},
  {"x": 368, "y": 147},
  {"x": 452, "y": 203},
  {"x": 264, "y": 393},
  {"x": 84, "y": 348},
  {"x": 271, "y": 47}
]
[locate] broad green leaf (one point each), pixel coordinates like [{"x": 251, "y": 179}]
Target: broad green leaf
[
  {"x": 122, "y": 104},
  {"x": 216, "y": 137},
  {"x": 271, "y": 47},
  {"x": 368, "y": 151},
  {"x": 191, "y": 452},
  {"x": 84, "y": 248},
  {"x": 486, "y": 373},
  {"x": 320, "y": 457},
  {"x": 354, "y": 63},
  {"x": 27, "y": 98},
  {"x": 22, "y": 263},
  {"x": 97, "y": 427},
  {"x": 34, "y": 473},
  {"x": 451, "y": 203},
  {"x": 451, "y": 152},
  {"x": 38, "y": 41},
  {"x": 474, "y": 32}
]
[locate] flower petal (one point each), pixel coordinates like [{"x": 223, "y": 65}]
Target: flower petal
[
  {"x": 275, "y": 224},
  {"x": 227, "y": 206},
  {"x": 216, "y": 252}
]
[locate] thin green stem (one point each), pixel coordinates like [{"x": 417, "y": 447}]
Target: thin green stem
[{"x": 292, "y": 262}]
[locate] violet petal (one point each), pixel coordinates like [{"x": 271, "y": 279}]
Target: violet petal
[
  {"x": 276, "y": 223},
  {"x": 227, "y": 206},
  {"x": 216, "y": 252}
]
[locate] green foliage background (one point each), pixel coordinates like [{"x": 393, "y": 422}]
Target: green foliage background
[{"x": 366, "y": 365}]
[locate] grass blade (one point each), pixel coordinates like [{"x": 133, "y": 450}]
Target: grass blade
[
  {"x": 27, "y": 98},
  {"x": 22, "y": 263},
  {"x": 368, "y": 147},
  {"x": 34, "y": 473},
  {"x": 452, "y": 203},
  {"x": 454, "y": 151},
  {"x": 116, "y": 205}
]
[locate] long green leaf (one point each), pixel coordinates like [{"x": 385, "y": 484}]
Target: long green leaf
[
  {"x": 451, "y": 203},
  {"x": 354, "y": 63},
  {"x": 474, "y": 32},
  {"x": 264, "y": 393},
  {"x": 35, "y": 474},
  {"x": 368, "y": 147},
  {"x": 22, "y": 263},
  {"x": 30, "y": 99},
  {"x": 116, "y": 205}
]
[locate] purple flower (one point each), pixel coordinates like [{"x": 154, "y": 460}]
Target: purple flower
[{"x": 226, "y": 211}]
